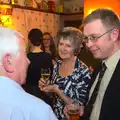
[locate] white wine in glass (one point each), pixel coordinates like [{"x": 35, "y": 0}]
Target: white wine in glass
[
  {"x": 45, "y": 76},
  {"x": 45, "y": 73}
]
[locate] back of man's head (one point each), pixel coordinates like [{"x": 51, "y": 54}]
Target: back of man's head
[{"x": 8, "y": 42}]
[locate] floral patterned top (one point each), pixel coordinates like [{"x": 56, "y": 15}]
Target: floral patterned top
[{"x": 74, "y": 86}]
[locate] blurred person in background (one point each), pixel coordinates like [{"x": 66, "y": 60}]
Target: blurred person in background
[
  {"x": 38, "y": 59},
  {"x": 48, "y": 45}
]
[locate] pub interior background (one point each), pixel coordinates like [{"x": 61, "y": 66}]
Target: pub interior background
[{"x": 47, "y": 15}]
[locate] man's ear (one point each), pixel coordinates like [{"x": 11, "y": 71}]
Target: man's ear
[
  {"x": 115, "y": 35},
  {"x": 8, "y": 62}
]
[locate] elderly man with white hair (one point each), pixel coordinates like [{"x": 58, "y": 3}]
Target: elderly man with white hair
[{"x": 15, "y": 103}]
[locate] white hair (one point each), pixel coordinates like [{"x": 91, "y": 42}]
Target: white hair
[{"x": 8, "y": 42}]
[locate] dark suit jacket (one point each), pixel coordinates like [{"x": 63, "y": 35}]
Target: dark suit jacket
[{"x": 110, "y": 109}]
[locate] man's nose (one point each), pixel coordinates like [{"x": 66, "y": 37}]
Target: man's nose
[{"x": 89, "y": 43}]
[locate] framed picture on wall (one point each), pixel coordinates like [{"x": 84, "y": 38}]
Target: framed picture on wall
[{"x": 29, "y": 3}]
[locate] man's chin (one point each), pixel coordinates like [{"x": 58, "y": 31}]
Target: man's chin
[{"x": 96, "y": 56}]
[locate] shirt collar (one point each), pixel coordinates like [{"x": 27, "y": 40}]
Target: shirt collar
[
  {"x": 112, "y": 61},
  {"x": 6, "y": 80}
]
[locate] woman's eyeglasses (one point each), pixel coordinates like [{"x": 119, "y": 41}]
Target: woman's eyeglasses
[{"x": 46, "y": 39}]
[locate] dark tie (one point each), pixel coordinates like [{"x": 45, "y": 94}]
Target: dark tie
[{"x": 89, "y": 107}]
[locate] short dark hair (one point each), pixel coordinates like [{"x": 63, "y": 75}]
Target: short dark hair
[
  {"x": 35, "y": 36},
  {"x": 108, "y": 18}
]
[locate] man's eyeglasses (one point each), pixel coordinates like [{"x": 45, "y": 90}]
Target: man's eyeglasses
[{"x": 94, "y": 38}]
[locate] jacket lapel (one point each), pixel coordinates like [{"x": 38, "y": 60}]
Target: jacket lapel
[{"x": 111, "y": 101}]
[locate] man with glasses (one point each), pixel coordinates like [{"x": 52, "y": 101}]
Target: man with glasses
[{"x": 102, "y": 38}]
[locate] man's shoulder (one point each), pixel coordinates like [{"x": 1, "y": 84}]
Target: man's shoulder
[
  {"x": 31, "y": 104},
  {"x": 33, "y": 101},
  {"x": 28, "y": 105},
  {"x": 23, "y": 100},
  {"x": 38, "y": 109}
]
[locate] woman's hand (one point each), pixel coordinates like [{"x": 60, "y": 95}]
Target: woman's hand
[
  {"x": 66, "y": 112},
  {"x": 54, "y": 89},
  {"x": 50, "y": 88},
  {"x": 42, "y": 83}
]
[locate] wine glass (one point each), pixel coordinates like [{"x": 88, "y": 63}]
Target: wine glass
[{"x": 45, "y": 73}]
